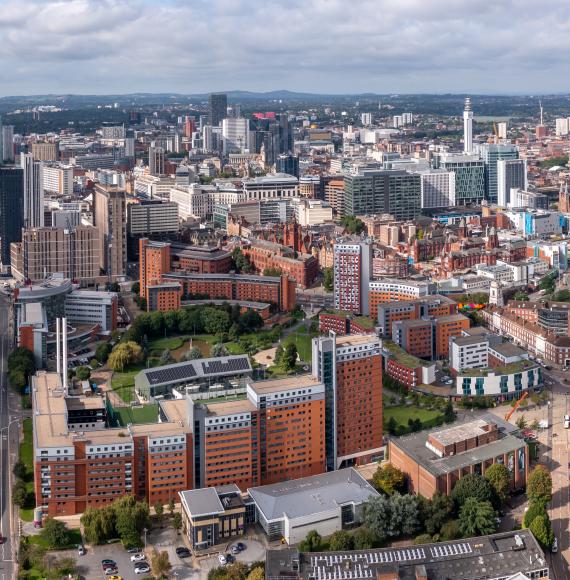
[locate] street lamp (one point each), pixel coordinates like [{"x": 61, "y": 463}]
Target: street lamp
[{"x": 145, "y": 530}]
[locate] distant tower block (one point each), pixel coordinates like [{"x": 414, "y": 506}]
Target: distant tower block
[
  {"x": 468, "y": 127},
  {"x": 496, "y": 294}
]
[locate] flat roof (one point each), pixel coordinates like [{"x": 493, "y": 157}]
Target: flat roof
[
  {"x": 469, "y": 340},
  {"x": 414, "y": 446},
  {"x": 201, "y": 502},
  {"x": 312, "y": 495},
  {"x": 285, "y": 383},
  {"x": 495, "y": 556},
  {"x": 230, "y": 407},
  {"x": 356, "y": 339},
  {"x": 508, "y": 349},
  {"x": 461, "y": 432}
]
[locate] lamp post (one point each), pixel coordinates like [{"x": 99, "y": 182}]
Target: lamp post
[{"x": 145, "y": 530}]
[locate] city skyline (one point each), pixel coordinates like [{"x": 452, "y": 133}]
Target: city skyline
[{"x": 103, "y": 47}]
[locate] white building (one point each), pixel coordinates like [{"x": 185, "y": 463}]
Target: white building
[
  {"x": 153, "y": 186},
  {"x": 468, "y": 127},
  {"x": 311, "y": 212},
  {"x": 488, "y": 382},
  {"x": 437, "y": 188},
  {"x": 58, "y": 179},
  {"x": 235, "y": 135},
  {"x": 562, "y": 126},
  {"x": 193, "y": 201},
  {"x": 277, "y": 185},
  {"x": 468, "y": 352},
  {"x": 502, "y": 130},
  {"x": 499, "y": 272},
  {"x": 366, "y": 118},
  {"x": 89, "y": 307}
]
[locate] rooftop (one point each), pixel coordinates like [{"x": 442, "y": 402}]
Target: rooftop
[
  {"x": 461, "y": 432},
  {"x": 414, "y": 446},
  {"x": 230, "y": 407},
  {"x": 497, "y": 556},
  {"x": 201, "y": 502},
  {"x": 312, "y": 495},
  {"x": 355, "y": 339},
  {"x": 468, "y": 340},
  {"x": 403, "y": 357},
  {"x": 285, "y": 384},
  {"x": 508, "y": 349},
  {"x": 514, "y": 367}
]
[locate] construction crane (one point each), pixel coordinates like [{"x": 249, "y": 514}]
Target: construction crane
[{"x": 516, "y": 406}]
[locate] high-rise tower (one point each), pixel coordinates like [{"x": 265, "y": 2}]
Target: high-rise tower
[
  {"x": 468, "y": 127},
  {"x": 33, "y": 191}
]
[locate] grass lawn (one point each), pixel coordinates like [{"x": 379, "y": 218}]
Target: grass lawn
[
  {"x": 402, "y": 413},
  {"x": 74, "y": 539},
  {"x": 145, "y": 414},
  {"x": 303, "y": 339},
  {"x": 124, "y": 383},
  {"x": 234, "y": 348}
]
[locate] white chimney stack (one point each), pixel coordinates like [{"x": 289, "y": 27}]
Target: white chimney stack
[
  {"x": 64, "y": 361},
  {"x": 58, "y": 344}
]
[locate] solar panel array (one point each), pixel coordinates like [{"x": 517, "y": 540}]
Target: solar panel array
[
  {"x": 171, "y": 374},
  {"x": 360, "y": 565},
  {"x": 446, "y": 550},
  {"x": 219, "y": 366}
]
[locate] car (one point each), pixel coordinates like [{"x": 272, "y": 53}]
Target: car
[
  {"x": 234, "y": 550},
  {"x": 142, "y": 569},
  {"x": 81, "y": 550},
  {"x": 182, "y": 552},
  {"x": 554, "y": 548},
  {"x": 115, "y": 578},
  {"x": 230, "y": 559},
  {"x": 222, "y": 559},
  {"x": 241, "y": 546},
  {"x": 138, "y": 557},
  {"x": 107, "y": 563},
  {"x": 134, "y": 550},
  {"x": 111, "y": 571}
]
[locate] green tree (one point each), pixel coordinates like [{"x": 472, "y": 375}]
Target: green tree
[
  {"x": 20, "y": 470},
  {"x": 99, "y": 524},
  {"x": 477, "y": 518},
  {"x": 352, "y": 224},
  {"x": 193, "y": 353},
  {"x": 131, "y": 517},
  {"x": 364, "y": 539},
  {"x": 136, "y": 288},
  {"x": 521, "y": 422},
  {"x": 341, "y": 541},
  {"x": 404, "y": 515},
  {"x": 539, "y": 485},
  {"x": 55, "y": 533},
  {"x": 328, "y": 279},
  {"x": 272, "y": 272},
  {"x": 534, "y": 510},
  {"x": 166, "y": 357},
  {"x": 312, "y": 543},
  {"x": 102, "y": 352},
  {"x": 215, "y": 321},
  {"x": 542, "y": 531},
  {"x": 249, "y": 321},
  {"x": 389, "y": 479},
  {"x": 160, "y": 564},
  {"x": 289, "y": 358},
  {"x": 219, "y": 350},
  {"x": 19, "y": 494},
  {"x": 158, "y": 510},
  {"x": 438, "y": 511},
  {"x": 258, "y": 573},
  {"x": 449, "y": 531},
  {"x": 449, "y": 413},
  {"x": 500, "y": 479},
  {"x": 392, "y": 425},
  {"x": 83, "y": 373},
  {"x": 171, "y": 506},
  {"x": 377, "y": 516},
  {"x": 241, "y": 262},
  {"x": 171, "y": 319},
  {"x": 177, "y": 521},
  {"x": 475, "y": 486},
  {"x": 521, "y": 296}
]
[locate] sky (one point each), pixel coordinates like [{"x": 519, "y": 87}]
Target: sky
[{"x": 318, "y": 46}]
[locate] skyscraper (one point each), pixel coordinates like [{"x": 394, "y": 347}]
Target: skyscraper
[
  {"x": 511, "y": 174},
  {"x": 467, "y": 127},
  {"x": 235, "y": 134},
  {"x": 352, "y": 272},
  {"x": 218, "y": 108},
  {"x": 11, "y": 209},
  {"x": 469, "y": 177},
  {"x": 33, "y": 191},
  {"x": 492, "y": 153},
  {"x": 7, "y": 146},
  {"x": 156, "y": 160}
]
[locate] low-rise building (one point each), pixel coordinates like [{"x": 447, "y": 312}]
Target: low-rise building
[{"x": 468, "y": 352}]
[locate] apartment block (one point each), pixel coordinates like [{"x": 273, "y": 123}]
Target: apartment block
[
  {"x": 394, "y": 289},
  {"x": 58, "y": 179},
  {"x": 352, "y": 273}
]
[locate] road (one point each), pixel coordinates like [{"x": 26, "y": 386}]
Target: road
[{"x": 9, "y": 431}]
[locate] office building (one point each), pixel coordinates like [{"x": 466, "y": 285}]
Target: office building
[
  {"x": 502, "y": 130},
  {"x": 33, "y": 191},
  {"x": 73, "y": 253},
  {"x": 45, "y": 151},
  {"x": 288, "y": 164},
  {"x": 469, "y": 177},
  {"x": 435, "y": 460},
  {"x": 110, "y": 219},
  {"x": 7, "y": 147},
  {"x": 154, "y": 261},
  {"x": 217, "y": 108},
  {"x": 512, "y": 555},
  {"x": 511, "y": 174},
  {"x": 113, "y": 133},
  {"x": 88, "y": 307},
  {"x": 437, "y": 189},
  {"x": 57, "y": 179},
  {"x": 352, "y": 273},
  {"x": 562, "y": 126},
  {"x": 156, "y": 161},
  {"x": 235, "y": 135},
  {"x": 366, "y": 118},
  {"x": 528, "y": 199},
  {"x": 11, "y": 209},
  {"x": 94, "y": 161},
  {"x": 271, "y": 186},
  {"x": 467, "y": 127},
  {"x": 491, "y": 154},
  {"x": 468, "y": 352},
  {"x": 150, "y": 218}
]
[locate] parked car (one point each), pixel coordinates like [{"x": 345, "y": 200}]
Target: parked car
[
  {"x": 234, "y": 550},
  {"x": 111, "y": 571},
  {"x": 2, "y": 539},
  {"x": 133, "y": 550},
  {"x": 107, "y": 563},
  {"x": 138, "y": 557},
  {"x": 182, "y": 552},
  {"x": 554, "y": 548},
  {"x": 230, "y": 559},
  {"x": 115, "y": 578},
  {"x": 222, "y": 559},
  {"x": 241, "y": 546},
  {"x": 81, "y": 550},
  {"x": 142, "y": 569}
]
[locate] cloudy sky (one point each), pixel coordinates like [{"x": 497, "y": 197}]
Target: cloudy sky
[{"x": 333, "y": 46}]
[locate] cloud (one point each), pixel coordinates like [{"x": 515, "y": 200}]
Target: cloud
[{"x": 337, "y": 46}]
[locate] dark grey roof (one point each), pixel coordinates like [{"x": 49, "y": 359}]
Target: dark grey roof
[
  {"x": 201, "y": 502},
  {"x": 495, "y": 556},
  {"x": 198, "y": 368},
  {"x": 311, "y": 495}
]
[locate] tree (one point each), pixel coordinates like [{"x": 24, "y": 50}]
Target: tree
[
  {"x": 312, "y": 543},
  {"x": 124, "y": 354},
  {"x": 289, "y": 358},
  {"x": 83, "y": 373},
  {"x": 521, "y": 296},
  {"x": 389, "y": 479},
  {"x": 392, "y": 425},
  {"x": 240, "y": 261},
  {"x": 249, "y": 321},
  {"x": 166, "y": 357},
  {"x": 131, "y": 517},
  {"x": 219, "y": 350},
  {"x": 215, "y": 321},
  {"x": 364, "y": 539},
  {"x": 404, "y": 515},
  {"x": 193, "y": 353},
  {"x": 449, "y": 413},
  {"x": 55, "y": 533},
  {"x": 476, "y": 518},
  {"x": 258, "y": 573},
  {"x": 171, "y": 506},
  {"x": 352, "y": 224},
  {"x": 521, "y": 422},
  {"x": 377, "y": 516},
  {"x": 102, "y": 352},
  {"x": 20, "y": 470},
  {"x": 449, "y": 531},
  {"x": 160, "y": 563},
  {"x": 177, "y": 521},
  {"x": 437, "y": 511},
  {"x": 542, "y": 531},
  {"x": 136, "y": 287},
  {"x": 19, "y": 494},
  {"x": 475, "y": 486},
  {"x": 539, "y": 485},
  {"x": 534, "y": 510},
  {"x": 158, "y": 510},
  {"x": 341, "y": 541},
  {"x": 171, "y": 319},
  {"x": 500, "y": 479},
  {"x": 272, "y": 272},
  {"x": 328, "y": 279}
]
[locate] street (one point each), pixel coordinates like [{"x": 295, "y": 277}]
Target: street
[{"x": 9, "y": 435}]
